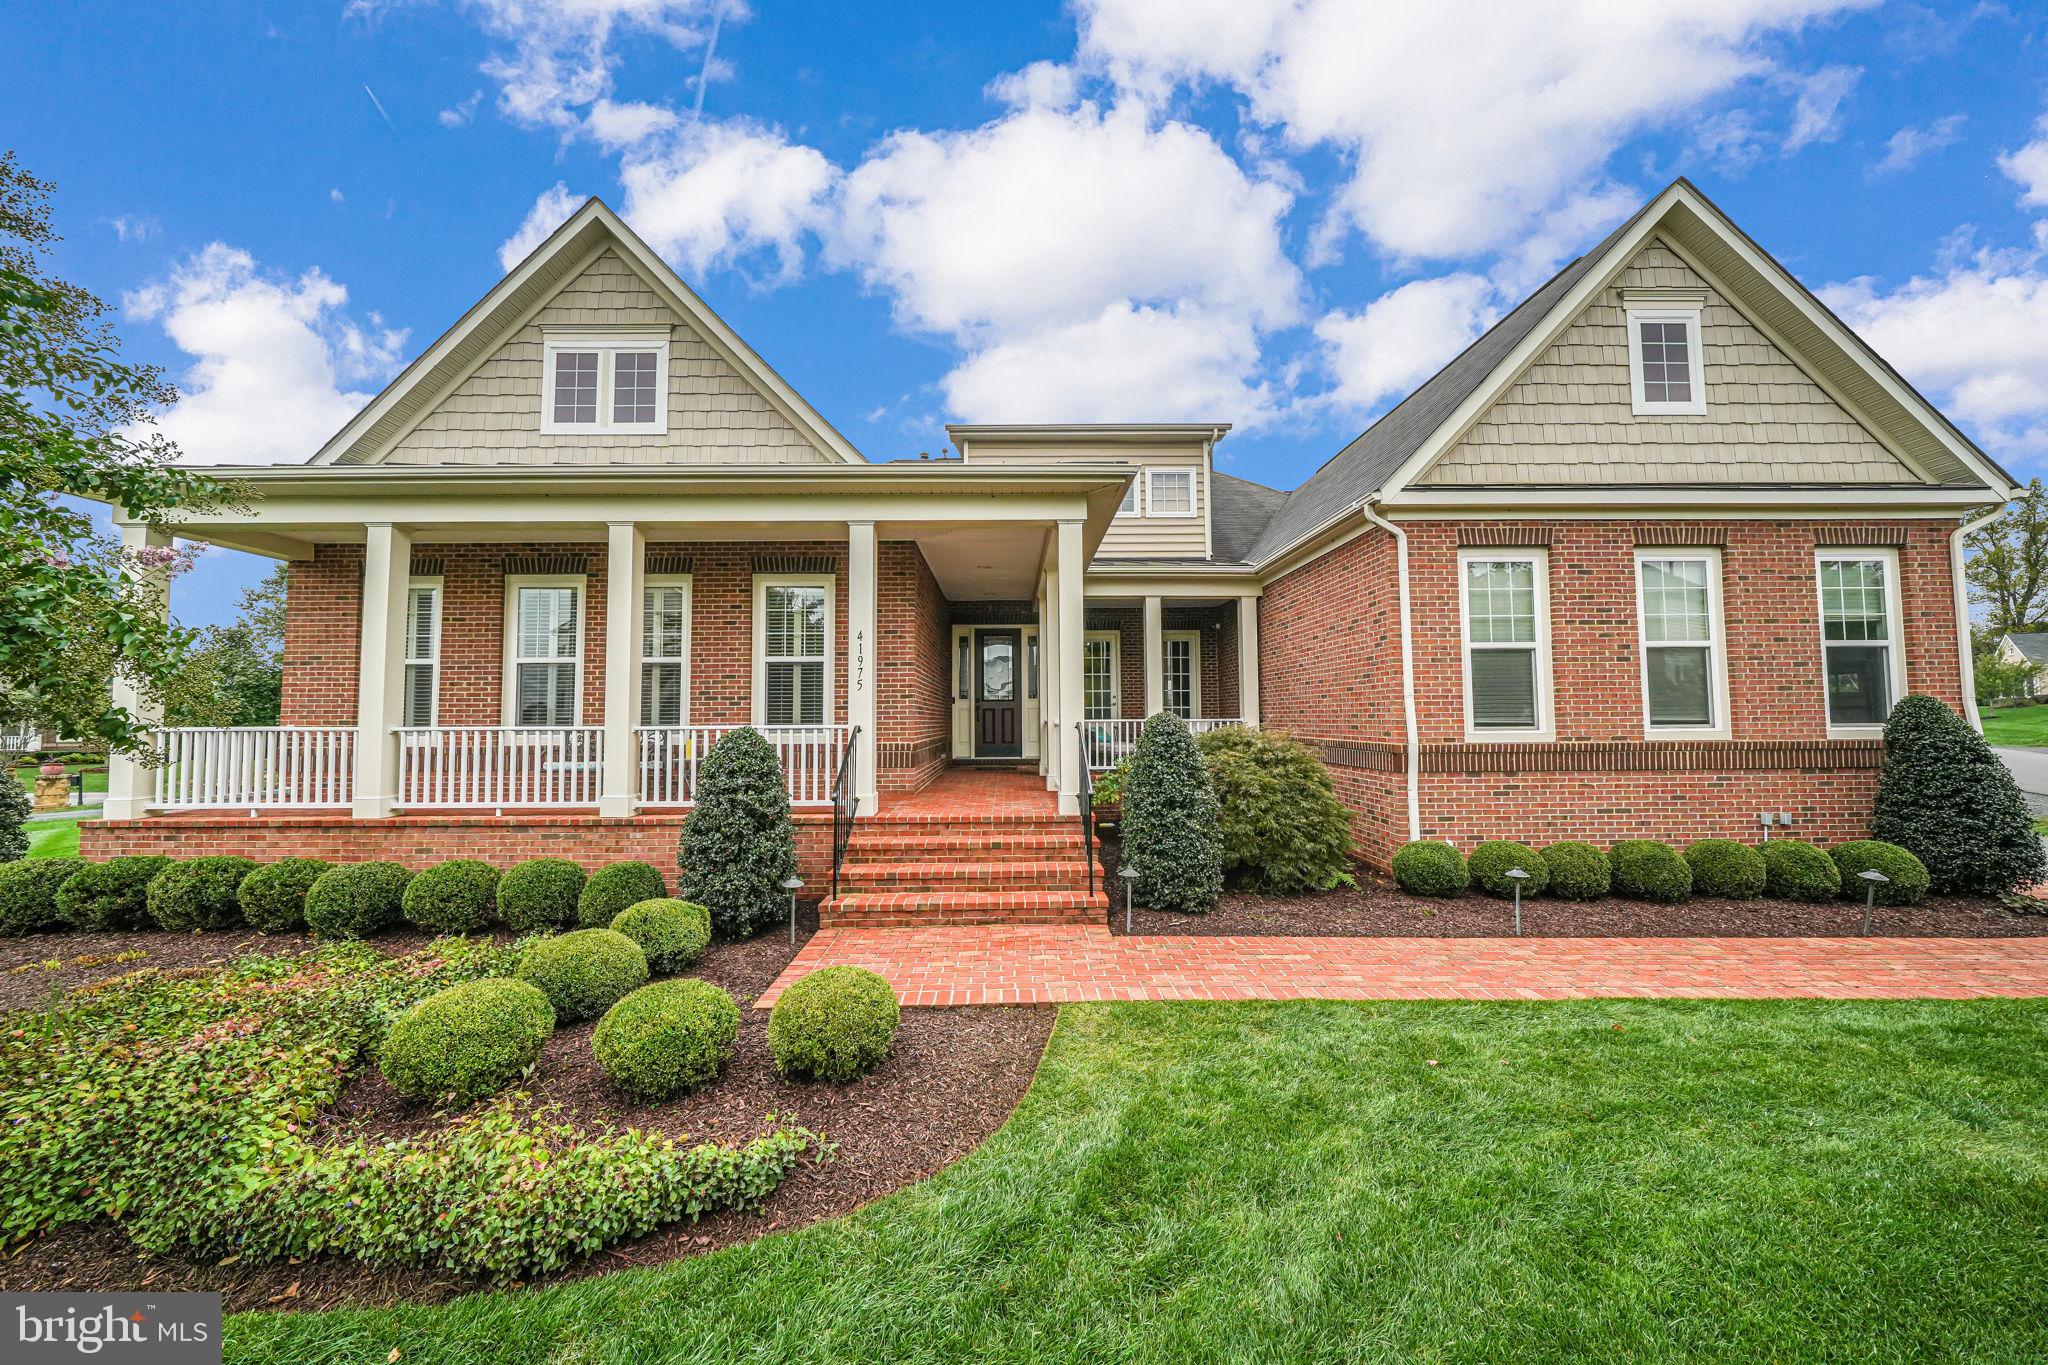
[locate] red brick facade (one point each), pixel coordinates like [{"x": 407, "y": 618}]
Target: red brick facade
[{"x": 914, "y": 711}]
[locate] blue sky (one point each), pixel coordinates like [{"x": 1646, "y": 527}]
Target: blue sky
[{"x": 1279, "y": 214}]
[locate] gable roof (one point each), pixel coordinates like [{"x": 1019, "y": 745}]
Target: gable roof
[
  {"x": 1239, "y": 511},
  {"x": 528, "y": 285},
  {"x": 2032, "y": 644}
]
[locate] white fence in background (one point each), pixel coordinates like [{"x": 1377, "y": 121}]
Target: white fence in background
[
  {"x": 249, "y": 766},
  {"x": 1105, "y": 743},
  {"x": 671, "y": 757},
  {"x": 497, "y": 766}
]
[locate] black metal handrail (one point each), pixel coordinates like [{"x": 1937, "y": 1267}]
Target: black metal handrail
[
  {"x": 1087, "y": 802},
  {"x": 845, "y": 804}
]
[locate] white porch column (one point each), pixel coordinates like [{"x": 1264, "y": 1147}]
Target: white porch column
[
  {"x": 380, "y": 682},
  {"x": 1049, "y": 675},
  {"x": 1069, "y": 613},
  {"x": 129, "y": 783},
  {"x": 1248, "y": 659},
  {"x": 625, "y": 583},
  {"x": 1155, "y": 658},
  {"x": 863, "y": 632}
]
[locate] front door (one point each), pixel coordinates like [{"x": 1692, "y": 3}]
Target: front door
[{"x": 997, "y": 733}]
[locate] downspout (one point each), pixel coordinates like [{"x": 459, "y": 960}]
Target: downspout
[
  {"x": 1966, "y": 660},
  {"x": 1407, "y": 669}
]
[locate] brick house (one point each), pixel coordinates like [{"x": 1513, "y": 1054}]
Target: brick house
[{"x": 1654, "y": 555}]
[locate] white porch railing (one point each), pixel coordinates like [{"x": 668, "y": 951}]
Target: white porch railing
[
  {"x": 1105, "y": 743},
  {"x": 498, "y": 766},
  {"x": 672, "y": 756},
  {"x": 275, "y": 765}
]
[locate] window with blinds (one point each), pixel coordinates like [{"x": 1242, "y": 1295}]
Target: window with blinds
[
  {"x": 1678, "y": 598},
  {"x": 1503, "y": 600},
  {"x": 1858, "y": 637},
  {"x": 664, "y": 653},
  {"x": 794, "y": 629},
  {"x": 1098, "y": 677},
  {"x": 422, "y": 653},
  {"x": 547, "y": 646}
]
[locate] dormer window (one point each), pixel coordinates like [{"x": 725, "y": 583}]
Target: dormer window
[
  {"x": 605, "y": 382},
  {"x": 1667, "y": 375},
  {"x": 1169, "y": 492}
]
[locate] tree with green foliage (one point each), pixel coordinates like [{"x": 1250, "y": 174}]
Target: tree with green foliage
[
  {"x": 236, "y": 674},
  {"x": 1946, "y": 799},
  {"x": 14, "y": 812},
  {"x": 2000, "y": 680},
  {"x": 738, "y": 845},
  {"x": 2008, "y": 564},
  {"x": 1171, "y": 831}
]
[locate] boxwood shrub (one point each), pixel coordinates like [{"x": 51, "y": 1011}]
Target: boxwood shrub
[
  {"x": 666, "y": 1039},
  {"x": 672, "y": 933},
  {"x": 584, "y": 973},
  {"x": 462, "y": 1043},
  {"x": 199, "y": 893},
  {"x": 1796, "y": 871},
  {"x": 611, "y": 889},
  {"x": 1950, "y": 801},
  {"x": 459, "y": 896},
  {"x": 1428, "y": 868},
  {"x": 28, "y": 894},
  {"x": 1722, "y": 867},
  {"x": 1578, "y": 872},
  {"x": 835, "y": 1024},
  {"x": 1491, "y": 861},
  {"x": 356, "y": 900},
  {"x": 1646, "y": 870},
  {"x": 1284, "y": 830},
  {"x": 274, "y": 895},
  {"x": 1908, "y": 875},
  {"x": 102, "y": 897},
  {"x": 539, "y": 893}
]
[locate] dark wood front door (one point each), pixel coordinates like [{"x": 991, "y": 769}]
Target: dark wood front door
[{"x": 997, "y": 732}]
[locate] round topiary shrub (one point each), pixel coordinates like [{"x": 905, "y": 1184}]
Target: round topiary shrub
[
  {"x": 1284, "y": 830},
  {"x": 274, "y": 895},
  {"x": 465, "y": 1042},
  {"x": 199, "y": 893},
  {"x": 1646, "y": 870},
  {"x": 456, "y": 897},
  {"x": 1578, "y": 872},
  {"x": 356, "y": 900},
  {"x": 666, "y": 1039},
  {"x": 1490, "y": 862},
  {"x": 1947, "y": 799},
  {"x": 672, "y": 933},
  {"x": 1171, "y": 835},
  {"x": 1908, "y": 875},
  {"x": 1427, "y": 868},
  {"x": 738, "y": 845},
  {"x": 103, "y": 897},
  {"x": 611, "y": 889},
  {"x": 539, "y": 893},
  {"x": 584, "y": 973},
  {"x": 1794, "y": 871},
  {"x": 1722, "y": 867},
  {"x": 28, "y": 894},
  {"x": 834, "y": 1024}
]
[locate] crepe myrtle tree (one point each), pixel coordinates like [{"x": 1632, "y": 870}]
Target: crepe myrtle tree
[
  {"x": 738, "y": 845},
  {"x": 1171, "y": 834}
]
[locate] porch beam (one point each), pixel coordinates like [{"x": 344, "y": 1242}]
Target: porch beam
[
  {"x": 1072, "y": 561},
  {"x": 1248, "y": 659},
  {"x": 380, "y": 680},
  {"x": 129, "y": 782},
  {"x": 657, "y": 514},
  {"x": 863, "y": 631},
  {"x": 625, "y": 584},
  {"x": 1155, "y": 655}
]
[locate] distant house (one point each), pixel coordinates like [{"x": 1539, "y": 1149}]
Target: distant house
[{"x": 2027, "y": 647}]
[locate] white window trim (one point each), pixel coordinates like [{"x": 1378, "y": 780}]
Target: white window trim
[
  {"x": 671, "y": 580},
  {"x": 607, "y": 345},
  {"x": 1689, "y": 314},
  {"x": 1116, "y": 673},
  {"x": 1194, "y": 639},
  {"x": 763, "y": 582},
  {"x": 1129, "y": 507},
  {"x": 1717, "y": 647},
  {"x": 1194, "y": 494},
  {"x": 1545, "y": 729},
  {"x": 432, "y": 660},
  {"x": 1895, "y": 651},
  {"x": 509, "y": 685}
]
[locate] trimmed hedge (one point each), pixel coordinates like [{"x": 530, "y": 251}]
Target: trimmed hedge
[
  {"x": 611, "y": 889},
  {"x": 1170, "y": 834},
  {"x": 1909, "y": 877},
  {"x": 666, "y": 1039},
  {"x": 1947, "y": 799},
  {"x": 1723, "y": 867},
  {"x": 584, "y": 973},
  {"x": 1796, "y": 871},
  {"x": 1284, "y": 830},
  {"x": 672, "y": 933},
  {"x": 738, "y": 844},
  {"x": 835, "y": 1024},
  {"x": 28, "y": 894},
  {"x": 1491, "y": 861},
  {"x": 274, "y": 895},
  {"x": 356, "y": 900},
  {"x": 456, "y": 897},
  {"x": 199, "y": 893},
  {"x": 1647, "y": 870},
  {"x": 467, "y": 1041},
  {"x": 1427, "y": 868},
  {"x": 540, "y": 893},
  {"x": 110, "y": 895},
  {"x": 1578, "y": 872}
]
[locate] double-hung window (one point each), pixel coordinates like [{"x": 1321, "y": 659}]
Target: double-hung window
[
  {"x": 1099, "y": 682},
  {"x": 1169, "y": 492},
  {"x": 605, "y": 382},
  {"x": 1506, "y": 623},
  {"x": 1667, "y": 372},
  {"x": 793, "y": 649},
  {"x": 1859, "y": 629},
  {"x": 665, "y": 652},
  {"x": 422, "y": 651},
  {"x": 544, "y": 643},
  {"x": 1678, "y": 605}
]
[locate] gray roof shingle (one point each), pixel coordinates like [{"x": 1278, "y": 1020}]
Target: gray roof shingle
[{"x": 2033, "y": 644}]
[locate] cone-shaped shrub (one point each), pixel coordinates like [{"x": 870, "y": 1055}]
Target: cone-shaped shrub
[
  {"x": 667, "y": 1038},
  {"x": 1722, "y": 867},
  {"x": 111, "y": 895},
  {"x": 1795, "y": 871},
  {"x": 356, "y": 900},
  {"x": 738, "y": 845},
  {"x": 1578, "y": 872},
  {"x": 1946, "y": 799},
  {"x": 1284, "y": 830},
  {"x": 28, "y": 894},
  {"x": 1906, "y": 876},
  {"x": 274, "y": 895},
  {"x": 1491, "y": 861},
  {"x": 1429, "y": 868},
  {"x": 199, "y": 893},
  {"x": 613, "y": 888},
  {"x": 540, "y": 893},
  {"x": 15, "y": 808},
  {"x": 1170, "y": 830},
  {"x": 1646, "y": 870},
  {"x": 459, "y": 896}
]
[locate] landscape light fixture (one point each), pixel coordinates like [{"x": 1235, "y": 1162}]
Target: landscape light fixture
[
  {"x": 1872, "y": 879},
  {"x": 1128, "y": 875},
  {"x": 1517, "y": 876},
  {"x": 791, "y": 884}
]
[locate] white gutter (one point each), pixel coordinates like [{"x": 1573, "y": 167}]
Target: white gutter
[
  {"x": 1967, "y": 660},
  {"x": 1407, "y": 670}
]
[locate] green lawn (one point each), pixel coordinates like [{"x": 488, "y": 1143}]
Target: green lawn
[
  {"x": 56, "y": 838},
  {"x": 2024, "y": 726},
  {"x": 1595, "y": 1180},
  {"x": 95, "y": 778}
]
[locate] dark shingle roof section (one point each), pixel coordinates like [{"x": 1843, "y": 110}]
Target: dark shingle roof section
[
  {"x": 1238, "y": 513},
  {"x": 2032, "y": 644}
]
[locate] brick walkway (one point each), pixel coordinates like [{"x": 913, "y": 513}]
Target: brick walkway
[{"x": 1032, "y": 965}]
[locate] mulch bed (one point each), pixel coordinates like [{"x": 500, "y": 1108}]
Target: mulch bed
[{"x": 953, "y": 1079}]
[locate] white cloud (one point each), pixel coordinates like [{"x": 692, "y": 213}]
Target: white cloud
[
  {"x": 1817, "y": 113},
  {"x": 335, "y": 196},
  {"x": 459, "y": 114},
  {"x": 2028, "y": 167},
  {"x": 1041, "y": 85},
  {"x": 618, "y": 126},
  {"x": 1905, "y": 148},
  {"x": 1403, "y": 337},
  {"x": 549, "y": 212},
  {"x": 272, "y": 357},
  {"x": 723, "y": 193},
  {"x": 132, "y": 227}
]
